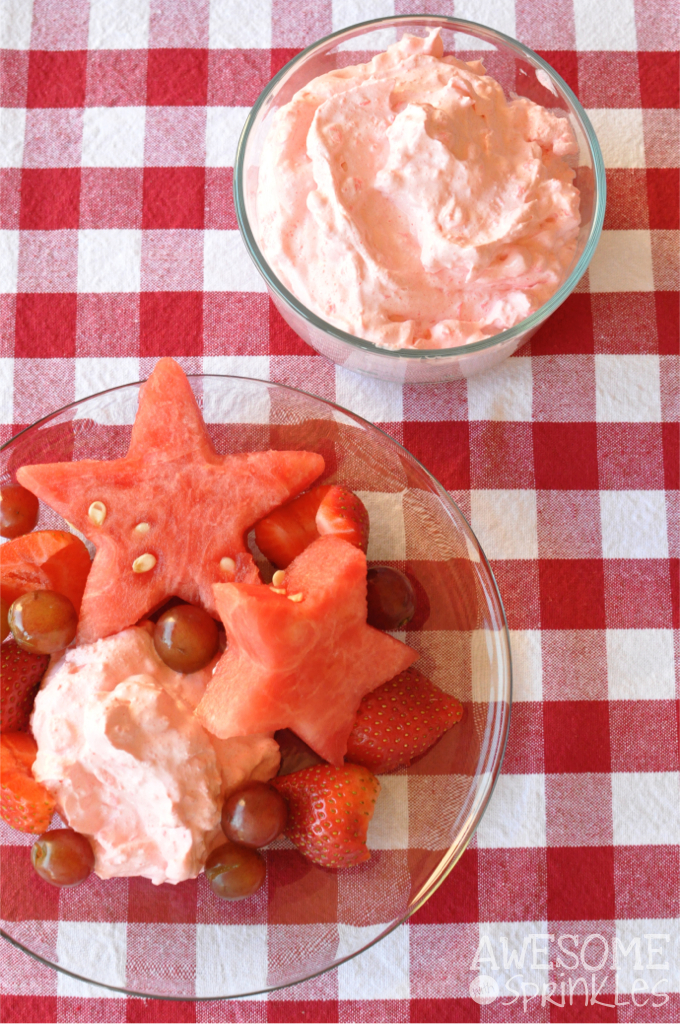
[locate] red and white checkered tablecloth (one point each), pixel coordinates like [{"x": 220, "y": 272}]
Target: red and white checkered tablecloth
[{"x": 119, "y": 244}]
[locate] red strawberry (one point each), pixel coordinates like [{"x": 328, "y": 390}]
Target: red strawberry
[
  {"x": 24, "y": 803},
  {"x": 285, "y": 533},
  {"x": 21, "y": 672},
  {"x": 399, "y": 721},
  {"x": 329, "y": 812}
]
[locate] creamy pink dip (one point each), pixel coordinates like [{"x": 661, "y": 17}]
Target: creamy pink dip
[
  {"x": 129, "y": 764},
  {"x": 408, "y": 202}
]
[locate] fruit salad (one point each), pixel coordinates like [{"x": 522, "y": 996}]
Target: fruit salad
[{"x": 176, "y": 710}]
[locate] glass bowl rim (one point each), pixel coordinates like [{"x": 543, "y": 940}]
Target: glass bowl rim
[
  {"x": 536, "y": 318},
  {"x": 456, "y": 850}
]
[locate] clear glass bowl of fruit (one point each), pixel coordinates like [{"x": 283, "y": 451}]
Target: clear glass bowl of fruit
[{"x": 256, "y": 686}]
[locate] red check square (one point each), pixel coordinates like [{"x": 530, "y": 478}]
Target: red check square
[
  {"x": 512, "y": 885},
  {"x": 524, "y": 750},
  {"x": 283, "y": 341},
  {"x": 572, "y": 593},
  {"x": 644, "y": 736},
  {"x": 171, "y": 323},
  {"x": 107, "y": 325},
  {"x": 174, "y": 197},
  {"x": 625, "y": 323},
  {"x": 50, "y": 198},
  {"x": 56, "y": 78},
  {"x": 518, "y": 582},
  {"x": 219, "y": 199},
  {"x": 444, "y": 448},
  {"x": 565, "y": 456},
  {"x": 647, "y": 881},
  {"x": 10, "y": 197},
  {"x": 576, "y": 736},
  {"x": 165, "y": 1011},
  {"x": 591, "y": 868},
  {"x": 668, "y": 322},
  {"x": 13, "y": 78},
  {"x": 281, "y": 1011},
  {"x": 564, "y": 62},
  {"x": 579, "y": 1009},
  {"x": 300, "y": 892},
  {"x": 501, "y": 455},
  {"x": 568, "y": 330},
  {"x": 430, "y": 1010},
  {"x": 457, "y": 900},
  {"x": 660, "y": 79},
  {"x": 630, "y": 456},
  {"x": 638, "y": 593},
  {"x": 111, "y": 197},
  {"x": 29, "y": 1008},
  {"x": 31, "y": 901},
  {"x": 237, "y": 77},
  {"x": 116, "y": 78},
  {"x": 627, "y": 208},
  {"x": 671, "y": 455},
  {"x": 46, "y": 325},
  {"x": 177, "y": 78},
  {"x": 149, "y": 903},
  {"x": 663, "y": 194}
]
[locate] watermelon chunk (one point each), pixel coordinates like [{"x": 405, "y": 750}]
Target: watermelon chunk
[
  {"x": 302, "y": 659},
  {"x": 171, "y": 518}
]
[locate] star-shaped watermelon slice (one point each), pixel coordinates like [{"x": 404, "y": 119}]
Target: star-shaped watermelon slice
[
  {"x": 171, "y": 518},
  {"x": 300, "y": 655}
]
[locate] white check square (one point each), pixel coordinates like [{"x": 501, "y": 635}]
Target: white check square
[
  {"x": 622, "y": 262},
  {"x": 98, "y": 374},
  {"x": 515, "y": 816},
  {"x": 93, "y": 949},
  {"x": 109, "y": 260},
  {"x": 627, "y": 389},
  {"x": 647, "y": 954},
  {"x": 387, "y": 537},
  {"x": 605, "y": 25},
  {"x": 382, "y": 971},
  {"x": 527, "y": 664},
  {"x": 237, "y": 25},
  {"x": 499, "y": 15},
  {"x": 222, "y": 132},
  {"x": 119, "y": 25},
  {"x": 230, "y": 958},
  {"x": 646, "y": 808},
  {"x": 15, "y": 25},
  {"x": 379, "y": 401},
  {"x": 620, "y": 133},
  {"x": 634, "y": 524},
  {"x": 6, "y": 390},
  {"x": 113, "y": 137},
  {"x": 350, "y": 12},
  {"x": 12, "y": 128},
  {"x": 504, "y": 393},
  {"x": 505, "y": 522},
  {"x": 247, "y": 403},
  {"x": 9, "y": 261},
  {"x": 227, "y": 266},
  {"x": 640, "y": 664}
]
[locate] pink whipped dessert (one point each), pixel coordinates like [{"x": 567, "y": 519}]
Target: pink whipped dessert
[
  {"x": 130, "y": 765},
  {"x": 408, "y": 202}
]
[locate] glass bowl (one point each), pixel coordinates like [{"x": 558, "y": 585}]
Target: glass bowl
[
  {"x": 181, "y": 941},
  {"x": 521, "y": 72}
]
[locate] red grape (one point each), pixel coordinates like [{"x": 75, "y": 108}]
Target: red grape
[
  {"x": 18, "y": 510},
  {"x": 62, "y": 857},
  {"x": 43, "y": 621},
  {"x": 390, "y": 598},
  {"x": 234, "y": 871},
  {"x": 185, "y": 638},
  {"x": 254, "y": 815},
  {"x": 295, "y": 754}
]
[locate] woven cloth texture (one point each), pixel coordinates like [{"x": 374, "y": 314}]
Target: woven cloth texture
[{"x": 119, "y": 244}]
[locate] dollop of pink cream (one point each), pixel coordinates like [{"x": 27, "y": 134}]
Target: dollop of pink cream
[
  {"x": 408, "y": 202},
  {"x": 129, "y": 764}
]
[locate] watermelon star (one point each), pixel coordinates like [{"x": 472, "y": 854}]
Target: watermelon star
[
  {"x": 171, "y": 517},
  {"x": 301, "y": 655}
]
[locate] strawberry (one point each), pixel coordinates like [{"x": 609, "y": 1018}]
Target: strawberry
[
  {"x": 24, "y": 803},
  {"x": 329, "y": 812},
  {"x": 286, "y": 532},
  {"x": 400, "y": 721},
  {"x": 21, "y": 671}
]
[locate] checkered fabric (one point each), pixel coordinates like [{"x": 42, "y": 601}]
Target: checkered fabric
[{"x": 119, "y": 244}]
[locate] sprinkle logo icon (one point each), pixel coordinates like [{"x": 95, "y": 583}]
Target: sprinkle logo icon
[{"x": 483, "y": 989}]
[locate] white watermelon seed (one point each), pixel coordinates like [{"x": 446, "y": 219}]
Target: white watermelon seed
[
  {"x": 144, "y": 563},
  {"x": 278, "y": 578},
  {"x": 96, "y": 513},
  {"x": 227, "y": 564},
  {"x": 142, "y": 528},
  {"x": 296, "y": 597}
]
